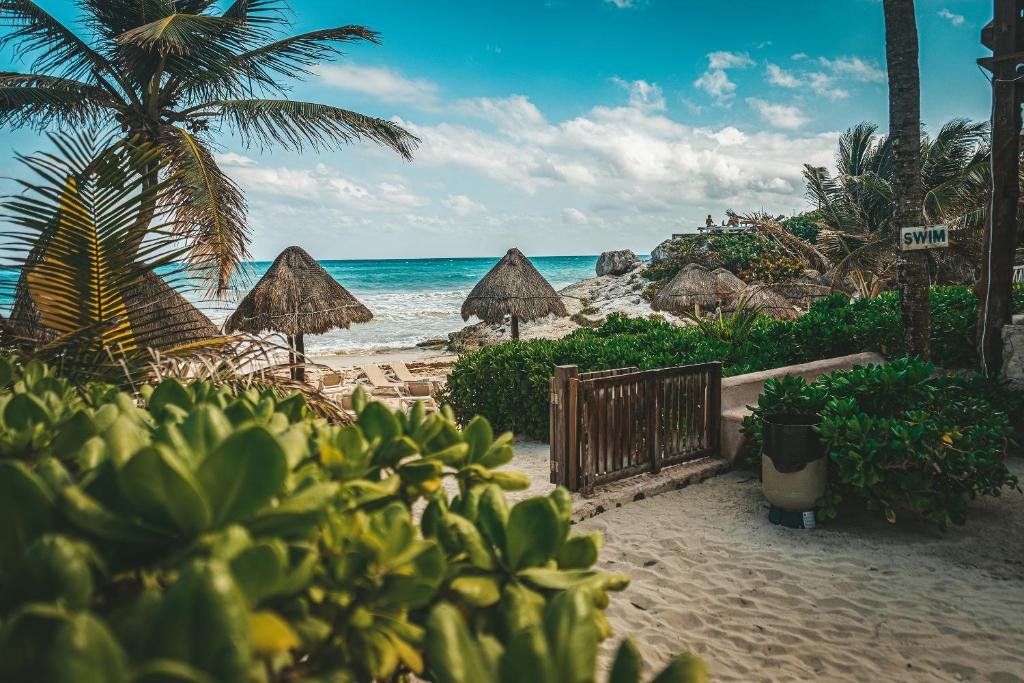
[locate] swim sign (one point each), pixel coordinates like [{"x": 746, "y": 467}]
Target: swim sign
[{"x": 924, "y": 237}]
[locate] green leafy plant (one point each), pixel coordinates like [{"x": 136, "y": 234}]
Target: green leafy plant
[
  {"x": 899, "y": 436},
  {"x": 202, "y": 532},
  {"x": 508, "y": 383}
]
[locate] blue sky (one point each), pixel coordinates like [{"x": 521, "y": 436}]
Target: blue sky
[{"x": 574, "y": 126}]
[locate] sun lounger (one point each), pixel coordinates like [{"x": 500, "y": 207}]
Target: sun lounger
[
  {"x": 381, "y": 384},
  {"x": 331, "y": 382},
  {"x": 404, "y": 375}
]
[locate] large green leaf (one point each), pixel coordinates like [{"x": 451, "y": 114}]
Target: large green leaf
[
  {"x": 164, "y": 491},
  {"x": 533, "y": 533},
  {"x": 203, "y": 622},
  {"x": 241, "y": 476},
  {"x": 686, "y": 668},
  {"x": 42, "y": 643},
  {"x": 570, "y": 621},
  {"x": 451, "y": 653},
  {"x": 260, "y": 568},
  {"x": 24, "y": 508},
  {"x": 53, "y": 569},
  {"x": 628, "y": 666}
]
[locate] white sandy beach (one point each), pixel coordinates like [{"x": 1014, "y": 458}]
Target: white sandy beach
[{"x": 857, "y": 600}]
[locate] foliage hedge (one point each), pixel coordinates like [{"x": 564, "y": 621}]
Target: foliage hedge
[
  {"x": 201, "y": 534},
  {"x": 900, "y": 436},
  {"x": 508, "y": 383}
]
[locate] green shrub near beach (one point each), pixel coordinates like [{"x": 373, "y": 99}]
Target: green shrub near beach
[
  {"x": 901, "y": 437},
  {"x": 198, "y": 533},
  {"x": 508, "y": 383}
]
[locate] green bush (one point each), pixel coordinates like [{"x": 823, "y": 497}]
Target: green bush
[
  {"x": 899, "y": 436},
  {"x": 508, "y": 383},
  {"x": 200, "y": 533}
]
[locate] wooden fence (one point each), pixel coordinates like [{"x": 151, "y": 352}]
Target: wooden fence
[{"x": 614, "y": 424}]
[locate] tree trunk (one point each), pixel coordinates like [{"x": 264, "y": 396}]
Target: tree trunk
[
  {"x": 901, "y": 54},
  {"x": 515, "y": 327},
  {"x": 300, "y": 357},
  {"x": 995, "y": 288}
]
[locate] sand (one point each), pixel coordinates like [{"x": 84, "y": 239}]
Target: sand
[{"x": 858, "y": 600}]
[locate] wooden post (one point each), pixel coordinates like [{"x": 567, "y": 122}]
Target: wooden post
[
  {"x": 515, "y": 327},
  {"x": 715, "y": 408},
  {"x": 300, "y": 357},
  {"x": 562, "y": 421},
  {"x": 290, "y": 340},
  {"x": 1004, "y": 36},
  {"x": 654, "y": 424}
]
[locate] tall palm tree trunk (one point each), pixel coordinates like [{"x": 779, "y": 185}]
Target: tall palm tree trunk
[{"x": 901, "y": 54}]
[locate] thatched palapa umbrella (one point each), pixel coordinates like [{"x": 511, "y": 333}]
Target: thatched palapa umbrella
[
  {"x": 515, "y": 288},
  {"x": 296, "y": 296},
  {"x": 693, "y": 287},
  {"x": 161, "y": 318}
]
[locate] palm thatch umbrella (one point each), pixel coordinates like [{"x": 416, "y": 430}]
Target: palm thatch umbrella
[
  {"x": 727, "y": 284},
  {"x": 515, "y": 288},
  {"x": 161, "y": 318},
  {"x": 764, "y": 299},
  {"x": 693, "y": 287},
  {"x": 296, "y": 296}
]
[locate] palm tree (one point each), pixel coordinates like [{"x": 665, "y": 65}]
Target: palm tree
[
  {"x": 901, "y": 54},
  {"x": 856, "y": 218},
  {"x": 171, "y": 72}
]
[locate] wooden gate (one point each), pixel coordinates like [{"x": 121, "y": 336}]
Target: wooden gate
[{"x": 614, "y": 424}]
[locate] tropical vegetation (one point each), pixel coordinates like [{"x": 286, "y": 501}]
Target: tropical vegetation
[
  {"x": 138, "y": 545},
  {"x": 902, "y": 437},
  {"x": 508, "y": 383},
  {"x": 172, "y": 74}
]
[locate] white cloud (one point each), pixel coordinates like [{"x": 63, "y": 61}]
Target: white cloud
[
  {"x": 232, "y": 159},
  {"x": 955, "y": 19},
  {"x": 325, "y": 185},
  {"x": 855, "y": 68},
  {"x": 717, "y": 84},
  {"x": 780, "y": 77},
  {"x": 637, "y": 161},
  {"x": 622, "y": 4},
  {"x": 779, "y": 115},
  {"x": 799, "y": 56},
  {"x": 642, "y": 95},
  {"x": 381, "y": 83},
  {"x": 462, "y": 205},
  {"x": 729, "y": 60},
  {"x": 715, "y": 81},
  {"x": 824, "y": 85},
  {"x": 573, "y": 216}
]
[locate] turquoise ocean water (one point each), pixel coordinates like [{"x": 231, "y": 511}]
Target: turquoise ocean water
[{"x": 412, "y": 300}]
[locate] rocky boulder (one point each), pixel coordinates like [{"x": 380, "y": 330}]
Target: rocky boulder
[
  {"x": 664, "y": 251},
  {"x": 617, "y": 262}
]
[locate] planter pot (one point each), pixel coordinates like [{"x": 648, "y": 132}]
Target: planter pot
[{"x": 794, "y": 469}]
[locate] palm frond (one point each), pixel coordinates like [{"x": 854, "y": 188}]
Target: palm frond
[
  {"x": 39, "y": 101},
  {"x": 295, "y": 54},
  {"x": 49, "y": 45},
  {"x": 209, "y": 209},
  {"x": 295, "y": 125},
  {"x": 178, "y": 34}
]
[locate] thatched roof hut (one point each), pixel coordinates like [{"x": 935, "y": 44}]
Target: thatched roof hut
[
  {"x": 161, "y": 318},
  {"x": 764, "y": 299},
  {"x": 296, "y": 296},
  {"x": 727, "y": 284},
  {"x": 693, "y": 286},
  {"x": 515, "y": 288}
]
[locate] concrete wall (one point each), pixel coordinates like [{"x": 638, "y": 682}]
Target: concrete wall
[{"x": 742, "y": 390}]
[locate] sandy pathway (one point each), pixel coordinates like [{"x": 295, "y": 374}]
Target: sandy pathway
[{"x": 857, "y": 601}]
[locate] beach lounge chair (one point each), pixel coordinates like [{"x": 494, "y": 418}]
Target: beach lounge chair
[
  {"x": 381, "y": 384},
  {"x": 330, "y": 383},
  {"x": 414, "y": 384}
]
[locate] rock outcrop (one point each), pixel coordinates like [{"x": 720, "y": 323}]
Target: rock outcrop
[
  {"x": 664, "y": 251},
  {"x": 617, "y": 262}
]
